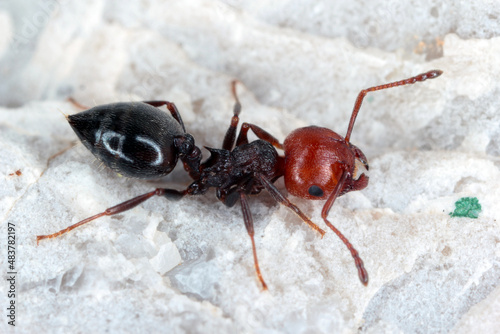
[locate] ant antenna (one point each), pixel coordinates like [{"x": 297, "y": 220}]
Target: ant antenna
[{"x": 359, "y": 100}]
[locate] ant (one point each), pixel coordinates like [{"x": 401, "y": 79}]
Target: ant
[{"x": 138, "y": 140}]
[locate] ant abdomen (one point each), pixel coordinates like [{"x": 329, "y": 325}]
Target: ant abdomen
[{"x": 133, "y": 139}]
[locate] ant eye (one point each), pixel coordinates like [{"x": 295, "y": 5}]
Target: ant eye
[{"x": 315, "y": 191}]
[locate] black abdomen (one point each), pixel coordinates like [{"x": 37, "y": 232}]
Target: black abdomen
[{"x": 134, "y": 139}]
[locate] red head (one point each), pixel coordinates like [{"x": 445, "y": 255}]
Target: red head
[
  {"x": 320, "y": 164},
  {"x": 315, "y": 159}
]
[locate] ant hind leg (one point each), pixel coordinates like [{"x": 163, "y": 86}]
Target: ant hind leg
[
  {"x": 228, "y": 142},
  {"x": 243, "y": 135},
  {"x": 170, "y": 194},
  {"x": 171, "y": 107}
]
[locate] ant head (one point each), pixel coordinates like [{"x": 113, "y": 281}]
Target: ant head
[{"x": 315, "y": 159}]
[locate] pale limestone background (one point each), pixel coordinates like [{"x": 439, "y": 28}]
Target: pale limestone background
[{"x": 187, "y": 267}]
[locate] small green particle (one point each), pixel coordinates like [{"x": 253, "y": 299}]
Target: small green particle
[{"x": 467, "y": 207}]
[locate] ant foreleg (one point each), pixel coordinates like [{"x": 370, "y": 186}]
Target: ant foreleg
[
  {"x": 171, "y": 194},
  {"x": 278, "y": 197},
  {"x": 362, "y": 273},
  {"x": 247, "y": 217},
  {"x": 259, "y": 132}
]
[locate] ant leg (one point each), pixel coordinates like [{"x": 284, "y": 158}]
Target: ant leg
[
  {"x": 228, "y": 142},
  {"x": 171, "y": 194},
  {"x": 362, "y": 273},
  {"x": 77, "y": 104},
  {"x": 55, "y": 155},
  {"x": 247, "y": 217},
  {"x": 259, "y": 132},
  {"x": 171, "y": 107},
  {"x": 281, "y": 199}
]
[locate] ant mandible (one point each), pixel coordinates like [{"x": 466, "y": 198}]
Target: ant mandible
[{"x": 138, "y": 140}]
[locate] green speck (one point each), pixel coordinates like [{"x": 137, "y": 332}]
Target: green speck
[{"x": 467, "y": 207}]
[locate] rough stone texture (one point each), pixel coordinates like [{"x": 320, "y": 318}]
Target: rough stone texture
[{"x": 428, "y": 145}]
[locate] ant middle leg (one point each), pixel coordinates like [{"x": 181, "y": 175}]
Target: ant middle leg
[
  {"x": 259, "y": 132},
  {"x": 281, "y": 199},
  {"x": 170, "y": 194},
  {"x": 247, "y": 217}
]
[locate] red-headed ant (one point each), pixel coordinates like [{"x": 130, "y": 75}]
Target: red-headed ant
[{"x": 140, "y": 141}]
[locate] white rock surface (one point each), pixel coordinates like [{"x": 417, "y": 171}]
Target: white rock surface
[{"x": 428, "y": 145}]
